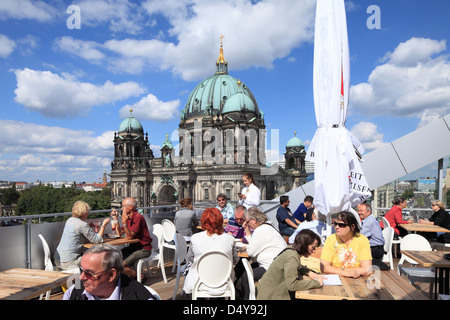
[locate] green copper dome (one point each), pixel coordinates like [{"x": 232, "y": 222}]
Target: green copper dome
[
  {"x": 220, "y": 93},
  {"x": 131, "y": 125},
  {"x": 295, "y": 142}
]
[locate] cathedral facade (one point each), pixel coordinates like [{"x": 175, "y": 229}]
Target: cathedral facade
[{"x": 221, "y": 136}]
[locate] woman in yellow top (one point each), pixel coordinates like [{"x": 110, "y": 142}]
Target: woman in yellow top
[{"x": 346, "y": 252}]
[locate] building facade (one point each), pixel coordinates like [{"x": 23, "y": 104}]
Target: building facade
[{"x": 221, "y": 136}]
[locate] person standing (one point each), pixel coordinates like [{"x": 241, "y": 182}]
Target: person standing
[{"x": 250, "y": 196}]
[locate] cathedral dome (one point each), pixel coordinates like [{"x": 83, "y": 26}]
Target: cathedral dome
[
  {"x": 295, "y": 142},
  {"x": 131, "y": 125},
  {"x": 219, "y": 94}
]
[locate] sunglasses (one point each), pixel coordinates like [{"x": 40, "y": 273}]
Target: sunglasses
[
  {"x": 339, "y": 224},
  {"x": 89, "y": 274}
]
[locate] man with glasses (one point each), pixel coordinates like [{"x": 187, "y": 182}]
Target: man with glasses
[
  {"x": 102, "y": 278},
  {"x": 226, "y": 209},
  {"x": 235, "y": 224}
]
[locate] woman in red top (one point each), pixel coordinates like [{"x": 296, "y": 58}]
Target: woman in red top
[{"x": 395, "y": 216}]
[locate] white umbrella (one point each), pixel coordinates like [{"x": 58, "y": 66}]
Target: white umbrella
[{"x": 338, "y": 177}]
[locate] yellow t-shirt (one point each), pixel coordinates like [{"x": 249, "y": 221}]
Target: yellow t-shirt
[{"x": 348, "y": 256}]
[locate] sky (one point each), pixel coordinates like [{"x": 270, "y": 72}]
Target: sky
[{"x": 71, "y": 70}]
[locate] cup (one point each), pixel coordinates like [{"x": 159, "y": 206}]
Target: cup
[
  {"x": 96, "y": 226},
  {"x": 113, "y": 226}
]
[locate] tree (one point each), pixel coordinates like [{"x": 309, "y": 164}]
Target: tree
[
  {"x": 47, "y": 199},
  {"x": 408, "y": 194},
  {"x": 10, "y": 196}
]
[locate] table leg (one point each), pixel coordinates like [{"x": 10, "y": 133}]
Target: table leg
[{"x": 444, "y": 275}]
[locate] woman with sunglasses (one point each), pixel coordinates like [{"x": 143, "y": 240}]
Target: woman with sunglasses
[
  {"x": 440, "y": 218},
  {"x": 346, "y": 252}
]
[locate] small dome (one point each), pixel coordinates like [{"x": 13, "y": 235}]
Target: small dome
[
  {"x": 237, "y": 102},
  {"x": 295, "y": 142},
  {"x": 131, "y": 125}
]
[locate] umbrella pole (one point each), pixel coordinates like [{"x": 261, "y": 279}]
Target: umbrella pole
[{"x": 328, "y": 224}]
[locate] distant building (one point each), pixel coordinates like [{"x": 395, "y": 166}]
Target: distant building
[
  {"x": 426, "y": 184},
  {"x": 221, "y": 136}
]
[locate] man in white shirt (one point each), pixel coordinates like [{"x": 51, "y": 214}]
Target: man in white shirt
[{"x": 311, "y": 222}]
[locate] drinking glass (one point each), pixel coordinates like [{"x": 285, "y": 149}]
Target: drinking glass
[{"x": 113, "y": 227}]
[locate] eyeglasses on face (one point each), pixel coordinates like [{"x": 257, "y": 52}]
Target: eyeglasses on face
[
  {"x": 91, "y": 275},
  {"x": 339, "y": 224},
  {"x": 221, "y": 200}
]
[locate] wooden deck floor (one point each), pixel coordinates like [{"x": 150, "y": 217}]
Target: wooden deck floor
[{"x": 165, "y": 290}]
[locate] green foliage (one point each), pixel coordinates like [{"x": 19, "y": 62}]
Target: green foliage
[
  {"x": 47, "y": 199},
  {"x": 10, "y": 196},
  {"x": 408, "y": 194}
]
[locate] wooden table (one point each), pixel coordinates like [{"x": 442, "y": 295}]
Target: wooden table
[
  {"x": 26, "y": 284},
  {"x": 434, "y": 259},
  {"x": 382, "y": 285},
  {"x": 417, "y": 227},
  {"x": 113, "y": 241}
]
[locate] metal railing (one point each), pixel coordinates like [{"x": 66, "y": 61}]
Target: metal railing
[{"x": 159, "y": 213}]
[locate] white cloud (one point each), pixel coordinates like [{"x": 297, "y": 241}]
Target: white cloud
[
  {"x": 414, "y": 51},
  {"x": 411, "y": 82},
  {"x": 37, "y": 151},
  {"x": 60, "y": 97},
  {"x": 151, "y": 108},
  {"x": 6, "y": 46},
  {"x": 121, "y": 15},
  {"x": 255, "y": 35},
  {"x": 27, "y": 9},
  {"x": 367, "y": 133},
  {"x": 88, "y": 50}
]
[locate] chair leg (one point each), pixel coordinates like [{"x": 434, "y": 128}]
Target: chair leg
[
  {"x": 162, "y": 266},
  {"x": 177, "y": 283},
  {"x": 139, "y": 270},
  {"x": 147, "y": 263},
  {"x": 174, "y": 261},
  {"x": 391, "y": 261}
]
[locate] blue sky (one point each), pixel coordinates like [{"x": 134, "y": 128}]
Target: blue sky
[{"x": 65, "y": 91}]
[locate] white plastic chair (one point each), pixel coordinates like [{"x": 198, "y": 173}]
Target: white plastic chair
[
  {"x": 214, "y": 271},
  {"x": 414, "y": 274},
  {"x": 169, "y": 236},
  {"x": 395, "y": 242},
  {"x": 388, "y": 235},
  {"x": 181, "y": 249},
  {"x": 48, "y": 264},
  {"x": 156, "y": 254},
  {"x": 153, "y": 292},
  {"x": 251, "y": 280}
]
